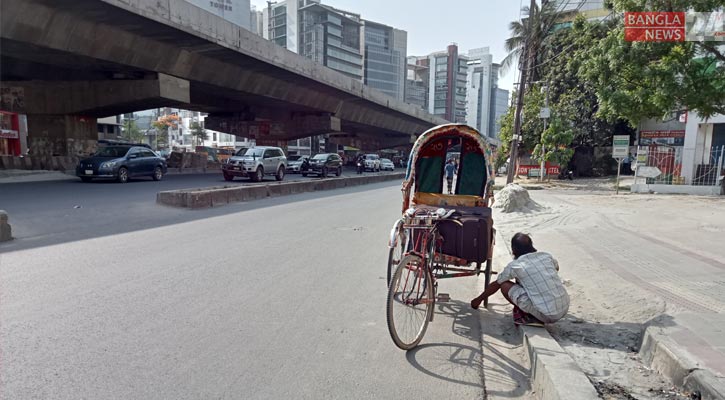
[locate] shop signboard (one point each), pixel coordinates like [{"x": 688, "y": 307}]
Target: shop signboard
[{"x": 620, "y": 146}]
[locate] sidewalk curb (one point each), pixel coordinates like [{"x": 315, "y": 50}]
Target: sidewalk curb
[
  {"x": 666, "y": 357},
  {"x": 553, "y": 373}
]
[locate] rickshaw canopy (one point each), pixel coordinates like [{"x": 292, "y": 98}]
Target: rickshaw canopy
[{"x": 426, "y": 167}]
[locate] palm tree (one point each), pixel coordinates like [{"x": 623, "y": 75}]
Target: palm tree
[{"x": 534, "y": 35}]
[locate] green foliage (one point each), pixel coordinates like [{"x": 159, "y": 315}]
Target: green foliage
[
  {"x": 556, "y": 140},
  {"x": 635, "y": 80},
  {"x": 531, "y": 126},
  {"x": 199, "y": 133},
  {"x": 131, "y": 131}
]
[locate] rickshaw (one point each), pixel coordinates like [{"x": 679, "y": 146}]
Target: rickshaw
[{"x": 439, "y": 235}]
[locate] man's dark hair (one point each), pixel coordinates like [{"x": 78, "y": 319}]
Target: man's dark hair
[{"x": 521, "y": 244}]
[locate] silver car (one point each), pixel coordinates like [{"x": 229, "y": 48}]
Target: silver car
[{"x": 255, "y": 163}]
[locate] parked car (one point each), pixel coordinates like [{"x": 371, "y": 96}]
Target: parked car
[
  {"x": 372, "y": 162},
  {"x": 323, "y": 164},
  {"x": 121, "y": 163},
  {"x": 255, "y": 163},
  {"x": 387, "y": 165},
  {"x": 294, "y": 163}
]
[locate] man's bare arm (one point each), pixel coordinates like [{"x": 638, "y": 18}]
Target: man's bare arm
[{"x": 492, "y": 288}]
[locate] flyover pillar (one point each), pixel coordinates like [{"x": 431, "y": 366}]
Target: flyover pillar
[{"x": 61, "y": 135}]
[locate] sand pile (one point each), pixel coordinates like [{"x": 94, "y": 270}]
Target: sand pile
[{"x": 514, "y": 198}]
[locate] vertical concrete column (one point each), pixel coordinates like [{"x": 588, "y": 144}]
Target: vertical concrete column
[{"x": 61, "y": 135}]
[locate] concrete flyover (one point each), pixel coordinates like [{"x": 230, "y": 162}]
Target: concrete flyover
[{"x": 66, "y": 63}]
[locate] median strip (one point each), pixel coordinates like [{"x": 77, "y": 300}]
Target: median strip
[{"x": 220, "y": 195}]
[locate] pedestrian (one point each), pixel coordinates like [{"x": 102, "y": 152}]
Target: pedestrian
[
  {"x": 450, "y": 172},
  {"x": 626, "y": 164},
  {"x": 531, "y": 283}
]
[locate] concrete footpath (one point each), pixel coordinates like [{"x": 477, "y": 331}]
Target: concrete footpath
[
  {"x": 553, "y": 373},
  {"x": 689, "y": 349}
]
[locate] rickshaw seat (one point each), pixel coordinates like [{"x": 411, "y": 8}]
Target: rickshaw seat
[{"x": 447, "y": 200}]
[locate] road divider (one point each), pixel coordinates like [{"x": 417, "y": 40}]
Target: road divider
[
  {"x": 5, "y": 230},
  {"x": 220, "y": 195}
]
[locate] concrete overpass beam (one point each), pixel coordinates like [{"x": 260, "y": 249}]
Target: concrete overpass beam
[
  {"x": 96, "y": 98},
  {"x": 296, "y": 127}
]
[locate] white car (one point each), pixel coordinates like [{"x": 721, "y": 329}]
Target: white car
[
  {"x": 387, "y": 165},
  {"x": 372, "y": 162},
  {"x": 294, "y": 163}
]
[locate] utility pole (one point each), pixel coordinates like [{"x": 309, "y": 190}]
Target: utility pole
[
  {"x": 545, "y": 114},
  {"x": 524, "y": 67}
]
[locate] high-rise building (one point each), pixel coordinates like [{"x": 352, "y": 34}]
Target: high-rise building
[
  {"x": 385, "y": 58},
  {"x": 332, "y": 37},
  {"x": 234, "y": 11},
  {"x": 447, "y": 84},
  {"x": 500, "y": 106},
  {"x": 416, "y": 83},
  {"x": 256, "y": 21},
  {"x": 327, "y": 35},
  {"x": 592, "y": 10},
  {"x": 485, "y": 101}
]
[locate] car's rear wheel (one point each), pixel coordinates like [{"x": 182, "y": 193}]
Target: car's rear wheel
[
  {"x": 122, "y": 175},
  {"x": 258, "y": 175},
  {"x": 339, "y": 171},
  {"x": 280, "y": 174},
  {"x": 228, "y": 177},
  {"x": 158, "y": 174},
  {"x": 85, "y": 179}
]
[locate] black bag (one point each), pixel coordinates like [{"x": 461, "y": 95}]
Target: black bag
[{"x": 468, "y": 235}]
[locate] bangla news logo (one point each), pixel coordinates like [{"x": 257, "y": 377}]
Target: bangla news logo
[{"x": 674, "y": 26}]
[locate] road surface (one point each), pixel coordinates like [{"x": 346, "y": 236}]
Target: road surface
[{"x": 279, "y": 298}]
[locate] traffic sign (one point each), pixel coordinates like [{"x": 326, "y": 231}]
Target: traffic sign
[
  {"x": 620, "y": 146},
  {"x": 648, "y": 172}
]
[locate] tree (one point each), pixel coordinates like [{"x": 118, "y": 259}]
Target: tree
[
  {"x": 199, "y": 133},
  {"x": 556, "y": 139},
  {"x": 162, "y": 126},
  {"x": 534, "y": 36},
  {"x": 531, "y": 127},
  {"x": 131, "y": 131},
  {"x": 635, "y": 80}
]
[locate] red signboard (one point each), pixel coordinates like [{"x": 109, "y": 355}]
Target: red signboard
[
  {"x": 661, "y": 134},
  {"x": 9, "y": 134},
  {"x": 550, "y": 169},
  {"x": 654, "y": 26}
]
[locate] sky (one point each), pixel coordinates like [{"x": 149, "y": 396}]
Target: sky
[{"x": 433, "y": 24}]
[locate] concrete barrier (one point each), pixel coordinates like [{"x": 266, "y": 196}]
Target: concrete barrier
[
  {"x": 5, "y": 229},
  {"x": 218, "y": 196}
]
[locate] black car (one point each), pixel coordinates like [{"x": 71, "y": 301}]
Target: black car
[
  {"x": 323, "y": 164},
  {"x": 121, "y": 163}
]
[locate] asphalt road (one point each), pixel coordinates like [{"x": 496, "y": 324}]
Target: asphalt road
[
  {"x": 278, "y": 298},
  {"x": 51, "y": 212}
]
